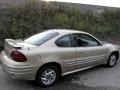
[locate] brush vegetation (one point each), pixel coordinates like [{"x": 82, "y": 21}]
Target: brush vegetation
[{"x": 20, "y": 21}]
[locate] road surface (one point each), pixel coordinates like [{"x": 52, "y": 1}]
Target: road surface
[{"x": 96, "y": 78}]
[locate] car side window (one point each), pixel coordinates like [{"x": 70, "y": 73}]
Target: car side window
[
  {"x": 84, "y": 40},
  {"x": 64, "y": 41}
]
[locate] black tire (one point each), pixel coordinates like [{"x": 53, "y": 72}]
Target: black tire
[
  {"x": 40, "y": 73},
  {"x": 109, "y": 64}
]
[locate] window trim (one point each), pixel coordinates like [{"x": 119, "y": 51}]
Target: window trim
[
  {"x": 99, "y": 43},
  {"x": 71, "y": 39}
]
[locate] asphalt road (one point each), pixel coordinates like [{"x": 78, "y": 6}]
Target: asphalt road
[{"x": 97, "y": 78}]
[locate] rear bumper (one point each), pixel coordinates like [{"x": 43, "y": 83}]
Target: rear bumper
[{"x": 16, "y": 70}]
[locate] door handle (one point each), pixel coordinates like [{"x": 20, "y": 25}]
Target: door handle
[{"x": 80, "y": 52}]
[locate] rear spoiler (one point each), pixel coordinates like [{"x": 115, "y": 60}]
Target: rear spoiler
[{"x": 13, "y": 43}]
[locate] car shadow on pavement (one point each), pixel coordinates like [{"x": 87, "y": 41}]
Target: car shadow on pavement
[{"x": 73, "y": 82}]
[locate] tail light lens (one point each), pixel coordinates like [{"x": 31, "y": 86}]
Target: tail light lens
[{"x": 18, "y": 56}]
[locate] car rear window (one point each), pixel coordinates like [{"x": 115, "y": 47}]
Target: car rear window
[{"x": 41, "y": 38}]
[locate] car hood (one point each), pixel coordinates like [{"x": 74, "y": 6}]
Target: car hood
[
  {"x": 111, "y": 45},
  {"x": 103, "y": 42}
]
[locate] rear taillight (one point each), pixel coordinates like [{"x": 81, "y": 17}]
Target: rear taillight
[{"x": 18, "y": 56}]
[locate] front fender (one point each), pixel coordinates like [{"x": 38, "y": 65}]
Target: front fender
[{"x": 112, "y": 48}]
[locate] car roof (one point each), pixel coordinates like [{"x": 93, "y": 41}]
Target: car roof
[{"x": 66, "y": 31}]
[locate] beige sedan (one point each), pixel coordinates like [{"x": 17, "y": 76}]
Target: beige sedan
[{"x": 48, "y": 55}]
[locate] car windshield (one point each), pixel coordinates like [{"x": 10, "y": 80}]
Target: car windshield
[{"x": 41, "y": 38}]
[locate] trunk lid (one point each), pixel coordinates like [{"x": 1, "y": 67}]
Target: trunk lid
[{"x": 12, "y": 45}]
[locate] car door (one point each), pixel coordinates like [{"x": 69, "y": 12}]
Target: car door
[
  {"x": 66, "y": 52},
  {"x": 89, "y": 51}
]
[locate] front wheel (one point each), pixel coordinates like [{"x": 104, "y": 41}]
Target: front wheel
[
  {"x": 47, "y": 76},
  {"x": 112, "y": 60}
]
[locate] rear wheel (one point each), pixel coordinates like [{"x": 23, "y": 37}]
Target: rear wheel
[
  {"x": 47, "y": 76},
  {"x": 112, "y": 60}
]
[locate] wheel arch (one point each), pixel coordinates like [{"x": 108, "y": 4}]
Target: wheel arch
[
  {"x": 116, "y": 53},
  {"x": 54, "y": 64}
]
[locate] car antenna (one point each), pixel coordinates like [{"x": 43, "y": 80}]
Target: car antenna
[{"x": 28, "y": 45}]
